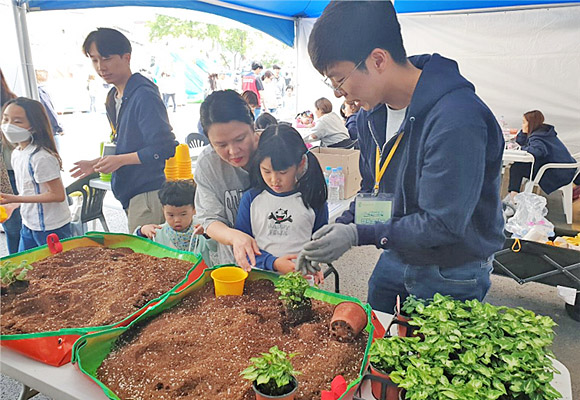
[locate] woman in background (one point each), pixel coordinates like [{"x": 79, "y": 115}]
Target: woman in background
[
  {"x": 329, "y": 128},
  {"x": 540, "y": 140}
]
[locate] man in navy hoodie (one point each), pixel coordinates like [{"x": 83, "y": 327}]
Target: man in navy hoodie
[
  {"x": 140, "y": 129},
  {"x": 444, "y": 171}
]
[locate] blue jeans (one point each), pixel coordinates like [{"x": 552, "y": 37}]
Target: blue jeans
[
  {"x": 392, "y": 277},
  {"x": 13, "y": 224},
  {"x": 30, "y": 239}
]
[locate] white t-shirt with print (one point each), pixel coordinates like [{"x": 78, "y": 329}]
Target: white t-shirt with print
[{"x": 45, "y": 168}]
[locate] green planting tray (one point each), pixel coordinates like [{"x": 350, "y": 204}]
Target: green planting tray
[
  {"x": 55, "y": 347},
  {"x": 92, "y": 349}
]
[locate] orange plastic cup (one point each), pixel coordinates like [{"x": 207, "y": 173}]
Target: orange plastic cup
[{"x": 229, "y": 281}]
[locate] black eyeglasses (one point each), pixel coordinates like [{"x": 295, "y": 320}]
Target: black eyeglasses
[{"x": 338, "y": 88}]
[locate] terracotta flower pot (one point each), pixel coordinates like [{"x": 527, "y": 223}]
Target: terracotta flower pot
[
  {"x": 288, "y": 396},
  {"x": 392, "y": 392},
  {"x": 348, "y": 320}
]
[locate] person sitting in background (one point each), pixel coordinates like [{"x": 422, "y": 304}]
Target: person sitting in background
[
  {"x": 541, "y": 141},
  {"x": 179, "y": 230},
  {"x": 265, "y": 120},
  {"x": 348, "y": 112},
  {"x": 305, "y": 119},
  {"x": 252, "y": 100},
  {"x": 329, "y": 128}
]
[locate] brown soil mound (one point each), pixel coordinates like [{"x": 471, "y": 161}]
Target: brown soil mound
[
  {"x": 88, "y": 286},
  {"x": 198, "y": 349}
]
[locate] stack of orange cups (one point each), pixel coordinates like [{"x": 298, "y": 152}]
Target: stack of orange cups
[
  {"x": 183, "y": 162},
  {"x": 171, "y": 169}
]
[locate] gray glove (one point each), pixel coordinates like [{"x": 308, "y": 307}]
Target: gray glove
[
  {"x": 330, "y": 242},
  {"x": 306, "y": 267}
]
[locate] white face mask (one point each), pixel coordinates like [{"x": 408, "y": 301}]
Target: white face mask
[{"x": 15, "y": 134}]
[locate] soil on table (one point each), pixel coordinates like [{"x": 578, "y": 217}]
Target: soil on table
[
  {"x": 88, "y": 286},
  {"x": 198, "y": 349}
]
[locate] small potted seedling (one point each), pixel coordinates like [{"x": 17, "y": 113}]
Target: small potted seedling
[
  {"x": 13, "y": 276},
  {"x": 292, "y": 288},
  {"x": 411, "y": 307},
  {"x": 387, "y": 356},
  {"x": 272, "y": 375}
]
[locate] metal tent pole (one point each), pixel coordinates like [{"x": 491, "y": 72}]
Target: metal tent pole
[{"x": 19, "y": 8}]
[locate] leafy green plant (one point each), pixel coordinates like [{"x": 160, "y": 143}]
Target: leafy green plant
[
  {"x": 272, "y": 373},
  {"x": 392, "y": 353},
  {"x": 474, "y": 351},
  {"x": 292, "y": 288},
  {"x": 411, "y": 304},
  {"x": 11, "y": 272}
]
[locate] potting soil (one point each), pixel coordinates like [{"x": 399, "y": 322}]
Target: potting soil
[
  {"x": 198, "y": 349},
  {"x": 88, "y": 286}
]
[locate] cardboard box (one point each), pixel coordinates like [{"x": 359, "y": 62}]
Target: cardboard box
[{"x": 345, "y": 158}]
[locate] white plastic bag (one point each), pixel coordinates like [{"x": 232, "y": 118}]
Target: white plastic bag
[{"x": 529, "y": 220}]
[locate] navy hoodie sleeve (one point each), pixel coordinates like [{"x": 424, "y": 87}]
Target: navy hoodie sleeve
[
  {"x": 450, "y": 183},
  {"x": 321, "y": 217},
  {"x": 244, "y": 224},
  {"x": 157, "y": 133},
  {"x": 522, "y": 138},
  {"x": 536, "y": 147}
]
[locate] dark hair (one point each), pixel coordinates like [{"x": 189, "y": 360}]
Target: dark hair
[
  {"x": 5, "y": 92},
  {"x": 306, "y": 113},
  {"x": 223, "y": 106},
  {"x": 275, "y": 66},
  {"x": 39, "y": 124},
  {"x": 264, "y": 120},
  {"x": 108, "y": 42},
  {"x": 177, "y": 193},
  {"x": 324, "y": 105},
  {"x": 283, "y": 137},
  {"x": 535, "y": 120},
  {"x": 251, "y": 98},
  {"x": 267, "y": 75},
  {"x": 256, "y": 65},
  {"x": 371, "y": 25},
  {"x": 342, "y": 107}
]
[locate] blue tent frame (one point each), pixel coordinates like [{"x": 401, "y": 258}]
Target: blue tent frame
[{"x": 276, "y": 17}]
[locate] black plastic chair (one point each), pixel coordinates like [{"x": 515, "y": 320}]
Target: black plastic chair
[
  {"x": 93, "y": 199},
  {"x": 194, "y": 140}
]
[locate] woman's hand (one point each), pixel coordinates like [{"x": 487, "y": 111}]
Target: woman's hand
[
  {"x": 245, "y": 248},
  {"x": 285, "y": 264},
  {"x": 150, "y": 230}
]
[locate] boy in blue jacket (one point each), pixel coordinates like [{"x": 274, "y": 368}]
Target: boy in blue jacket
[
  {"x": 140, "y": 129},
  {"x": 439, "y": 149}
]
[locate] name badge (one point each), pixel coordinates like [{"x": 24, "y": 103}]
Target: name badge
[{"x": 370, "y": 208}]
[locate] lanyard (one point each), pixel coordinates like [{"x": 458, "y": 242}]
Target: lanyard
[{"x": 380, "y": 170}]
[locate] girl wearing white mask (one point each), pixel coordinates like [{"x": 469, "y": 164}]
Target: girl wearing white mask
[{"x": 37, "y": 167}]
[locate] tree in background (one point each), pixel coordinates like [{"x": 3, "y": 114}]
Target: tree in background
[{"x": 231, "y": 44}]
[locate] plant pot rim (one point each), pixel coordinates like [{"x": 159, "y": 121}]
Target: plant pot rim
[
  {"x": 267, "y": 396},
  {"x": 378, "y": 369}
]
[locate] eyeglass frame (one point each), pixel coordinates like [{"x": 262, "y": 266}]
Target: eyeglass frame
[{"x": 338, "y": 88}]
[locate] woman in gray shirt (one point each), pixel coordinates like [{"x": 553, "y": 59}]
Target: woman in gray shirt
[{"x": 222, "y": 174}]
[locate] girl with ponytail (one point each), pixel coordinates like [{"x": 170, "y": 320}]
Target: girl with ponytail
[{"x": 287, "y": 201}]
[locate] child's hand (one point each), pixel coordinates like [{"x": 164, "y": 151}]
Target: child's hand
[
  {"x": 198, "y": 230},
  {"x": 150, "y": 230},
  {"x": 6, "y": 198},
  {"x": 319, "y": 278},
  {"x": 285, "y": 264}
]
